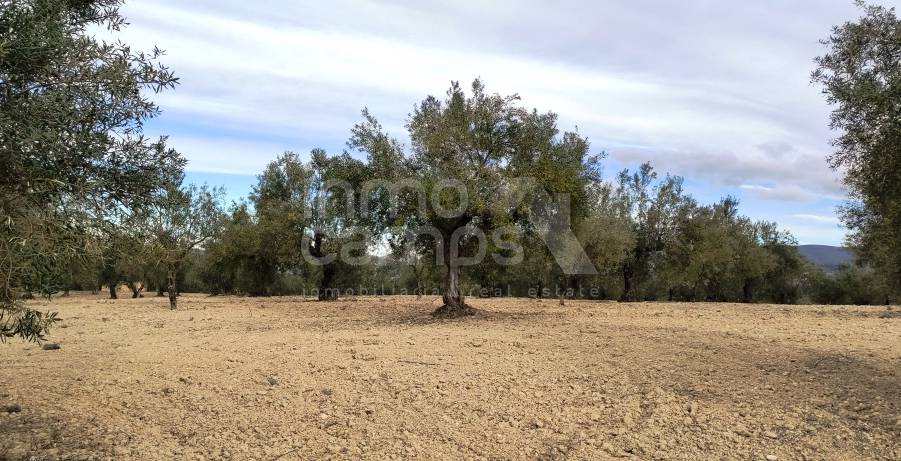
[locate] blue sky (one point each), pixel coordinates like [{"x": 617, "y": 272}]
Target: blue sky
[{"x": 716, "y": 92}]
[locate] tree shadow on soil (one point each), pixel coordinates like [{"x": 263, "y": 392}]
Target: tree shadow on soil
[
  {"x": 31, "y": 435},
  {"x": 423, "y": 315}
]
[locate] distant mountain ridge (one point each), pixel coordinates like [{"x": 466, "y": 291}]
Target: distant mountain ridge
[{"x": 829, "y": 258}]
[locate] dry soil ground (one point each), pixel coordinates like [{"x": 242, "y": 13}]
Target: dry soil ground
[{"x": 376, "y": 378}]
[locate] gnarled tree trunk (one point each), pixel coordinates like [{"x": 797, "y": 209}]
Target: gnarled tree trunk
[
  {"x": 454, "y": 301},
  {"x": 326, "y": 291},
  {"x": 417, "y": 273},
  {"x": 136, "y": 289},
  {"x": 171, "y": 275},
  {"x": 630, "y": 283},
  {"x": 453, "y": 297}
]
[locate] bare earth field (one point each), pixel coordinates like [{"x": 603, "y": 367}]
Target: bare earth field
[{"x": 377, "y": 378}]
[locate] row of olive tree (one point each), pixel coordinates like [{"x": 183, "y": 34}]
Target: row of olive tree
[
  {"x": 637, "y": 237},
  {"x": 84, "y": 181},
  {"x": 152, "y": 246},
  {"x": 643, "y": 236}
]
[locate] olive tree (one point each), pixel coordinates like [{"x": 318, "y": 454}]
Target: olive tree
[
  {"x": 652, "y": 209},
  {"x": 72, "y": 151},
  {"x": 309, "y": 209},
  {"x": 467, "y": 156},
  {"x": 860, "y": 74},
  {"x": 180, "y": 219}
]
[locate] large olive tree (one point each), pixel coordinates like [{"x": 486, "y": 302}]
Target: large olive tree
[
  {"x": 468, "y": 157},
  {"x": 861, "y": 76},
  {"x": 72, "y": 151}
]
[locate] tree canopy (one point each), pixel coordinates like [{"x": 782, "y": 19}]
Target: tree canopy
[
  {"x": 467, "y": 154},
  {"x": 860, "y": 74},
  {"x": 71, "y": 145}
]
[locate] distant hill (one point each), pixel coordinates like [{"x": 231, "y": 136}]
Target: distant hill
[{"x": 829, "y": 258}]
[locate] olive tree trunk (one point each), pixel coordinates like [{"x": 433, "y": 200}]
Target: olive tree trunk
[
  {"x": 453, "y": 297},
  {"x": 454, "y": 300},
  {"x": 326, "y": 291},
  {"x": 630, "y": 290},
  {"x": 171, "y": 287},
  {"x": 136, "y": 289}
]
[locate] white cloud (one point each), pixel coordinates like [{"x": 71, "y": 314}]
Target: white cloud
[
  {"x": 783, "y": 193},
  {"x": 231, "y": 156},
  {"x": 309, "y": 79},
  {"x": 817, "y": 218},
  {"x": 714, "y": 91},
  {"x": 787, "y": 175}
]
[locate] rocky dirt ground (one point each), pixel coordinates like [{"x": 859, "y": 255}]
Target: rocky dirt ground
[{"x": 376, "y": 378}]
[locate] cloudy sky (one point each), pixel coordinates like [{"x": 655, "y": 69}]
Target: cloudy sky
[{"x": 717, "y": 92}]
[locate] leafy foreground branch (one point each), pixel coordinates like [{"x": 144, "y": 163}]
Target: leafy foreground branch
[{"x": 28, "y": 324}]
